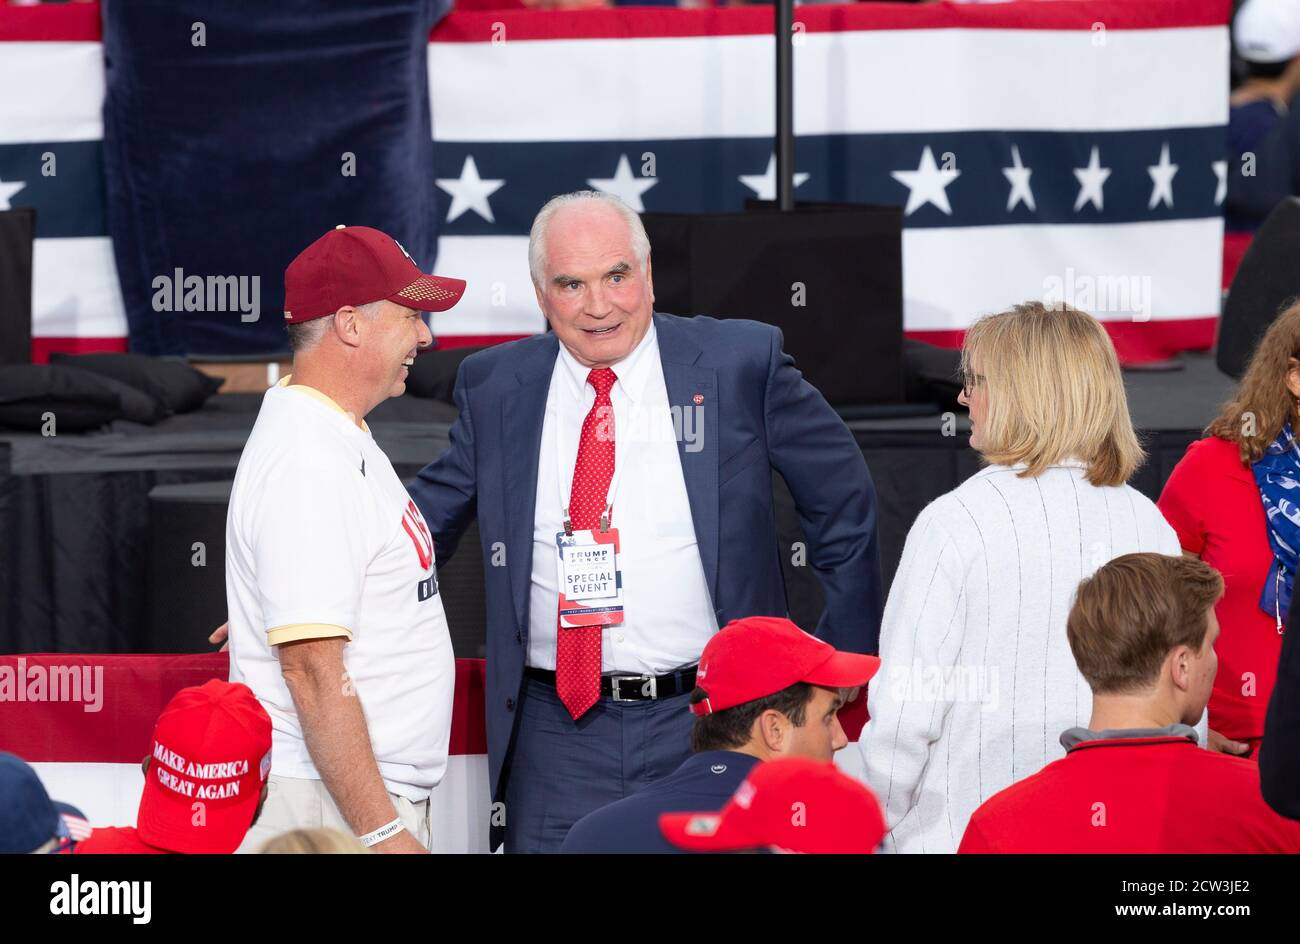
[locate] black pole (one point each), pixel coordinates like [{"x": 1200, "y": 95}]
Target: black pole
[{"x": 785, "y": 104}]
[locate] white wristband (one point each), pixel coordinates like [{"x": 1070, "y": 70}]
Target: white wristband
[{"x": 382, "y": 833}]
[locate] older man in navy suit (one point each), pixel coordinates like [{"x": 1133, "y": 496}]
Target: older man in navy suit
[{"x": 621, "y": 471}]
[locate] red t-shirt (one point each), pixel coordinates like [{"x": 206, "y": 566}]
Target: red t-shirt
[
  {"x": 1212, "y": 502},
  {"x": 1151, "y": 794},
  {"x": 116, "y": 840}
]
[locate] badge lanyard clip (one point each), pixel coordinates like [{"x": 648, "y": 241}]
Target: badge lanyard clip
[{"x": 604, "y": 521}]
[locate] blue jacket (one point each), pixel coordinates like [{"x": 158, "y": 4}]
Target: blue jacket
[
  {"x": 703, "y": 783},
  {"x": 759, "y": 415}
]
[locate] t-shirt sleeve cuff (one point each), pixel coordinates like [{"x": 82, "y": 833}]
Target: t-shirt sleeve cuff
[{"x": 296, "y": 632}]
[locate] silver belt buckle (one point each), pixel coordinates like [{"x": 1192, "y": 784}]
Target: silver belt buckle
[{"x": 649, "y": 686}]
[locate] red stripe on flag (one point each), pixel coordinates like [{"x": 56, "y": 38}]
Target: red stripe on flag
[
  {"x": 1136, "y": 342},
  {"x": 42, "y": 348},
  {"x": 129, "y": 692},
  {"x": 53, "y": 23},
  {"x": 1234, "y": 249},
  {"x": 446, "y": 341},
  {"x": 658, "y": 22}
]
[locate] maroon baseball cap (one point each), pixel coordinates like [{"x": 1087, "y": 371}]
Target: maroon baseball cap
[
  {"x": 758, "y": 656},
  {"x": 795, "y": 804},
  {"x": 357, "y": 265}
]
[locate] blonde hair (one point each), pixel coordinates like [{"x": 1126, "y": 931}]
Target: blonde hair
[
  {"x": 1054, "y": 392},
  {"x": 1263, "y": 403},
  {"x": 313, "y": 842}
]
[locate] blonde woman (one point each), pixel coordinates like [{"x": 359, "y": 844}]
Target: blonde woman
[
  {"x": 1231, "y": 499},
  {"x": 978, "y": 681},
  {"x": 316, "y": 841}
]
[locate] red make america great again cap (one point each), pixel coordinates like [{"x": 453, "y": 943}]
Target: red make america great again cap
[
  {"x": 758, "y": 656},
  {"x": 211, "y": 753},
  {"x": 357, "y": 265}
]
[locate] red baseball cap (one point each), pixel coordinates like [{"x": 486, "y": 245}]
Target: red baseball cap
[
  {"x": 357, "y": 265},
  {"x": 793, "y": 803},
  {"x": 758, "y": 656},
  {"x": 211, "y": 746}
]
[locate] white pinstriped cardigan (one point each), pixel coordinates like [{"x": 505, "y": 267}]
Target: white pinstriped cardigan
[{"x": 977, "y": 680}]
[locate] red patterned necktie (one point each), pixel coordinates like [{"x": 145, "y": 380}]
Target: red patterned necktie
[{"x": 577, "y": 650}]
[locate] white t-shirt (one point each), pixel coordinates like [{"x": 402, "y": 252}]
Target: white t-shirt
[{"x": 322, "y": 539}]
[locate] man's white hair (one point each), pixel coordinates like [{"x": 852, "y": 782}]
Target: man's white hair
[
  {"x": 537, "y": 235},
  {"x": 307, "y": 334}
]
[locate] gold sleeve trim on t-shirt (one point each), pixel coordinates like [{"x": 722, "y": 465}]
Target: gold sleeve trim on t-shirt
[{"x": 295, "y": 632}]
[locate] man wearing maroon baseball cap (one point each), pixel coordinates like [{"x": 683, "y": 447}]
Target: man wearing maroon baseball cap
[
  {"x": 336, "y": 623},
  {"x": 764, "y": 689},
  {"x": 204, "y": 778},
  {"x": 786, "y": 805},
  {"x": 352, "y": 303}
]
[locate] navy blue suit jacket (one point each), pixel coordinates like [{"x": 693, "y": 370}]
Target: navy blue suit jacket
[
  {"x": 759, "y": 414},
  {"x": 703, "y": 784}
]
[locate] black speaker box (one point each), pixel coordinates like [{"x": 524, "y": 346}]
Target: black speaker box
[
  {"x": 17, "y": 233},
  {"x": 830, "y": 276},
  {"x": 1268, "y": 278}
]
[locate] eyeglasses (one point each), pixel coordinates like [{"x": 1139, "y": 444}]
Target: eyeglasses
[{"x": 969, "y": 382}]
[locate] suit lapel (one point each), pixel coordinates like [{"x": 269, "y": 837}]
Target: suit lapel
[
  {"x": 687, "y": 382},
  {"x": 523, "y": 412}
]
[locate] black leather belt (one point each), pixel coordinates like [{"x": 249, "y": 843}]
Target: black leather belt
[{"x": 631, "y": 687}]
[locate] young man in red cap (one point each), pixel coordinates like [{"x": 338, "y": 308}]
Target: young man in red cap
[
  {"x": 764, "y": 689},
  {"x": 1142, "y": 631},
  {"x": 791, "y": 804},
  {"x": 335, "y": 619},
  {"x": 204, "y": 778}
]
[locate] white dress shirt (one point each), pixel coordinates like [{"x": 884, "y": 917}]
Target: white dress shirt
[{"x": 667, "y": 612}]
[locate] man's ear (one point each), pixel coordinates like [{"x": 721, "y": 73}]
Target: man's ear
[
  {"x": 772, "y": 729},
  {"x": 1180, "y": 667},
  {"x": 541, "y": 297},
  {"x": 144, "y": 765},
  {"x": 347, "y": 326},
  {"x": 649, "y": 280}
]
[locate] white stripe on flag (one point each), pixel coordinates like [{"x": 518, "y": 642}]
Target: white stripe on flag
[
  {"x": 108, "y": 794},
  {"x": 845, "y": 83},
  {"x": 75, "y": 292},
  {"x": 499, "y": 297},
  {"x": 952, "y": 275},
  {"x": 53, "y": 92}
]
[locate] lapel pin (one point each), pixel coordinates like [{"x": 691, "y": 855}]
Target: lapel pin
[{"x": 699, "y": 398}]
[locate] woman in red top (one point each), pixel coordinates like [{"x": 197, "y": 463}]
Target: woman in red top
[{"x": 1227, "y": 499}]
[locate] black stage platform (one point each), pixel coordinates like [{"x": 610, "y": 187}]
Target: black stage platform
[{"x": 98, "y": 531}]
